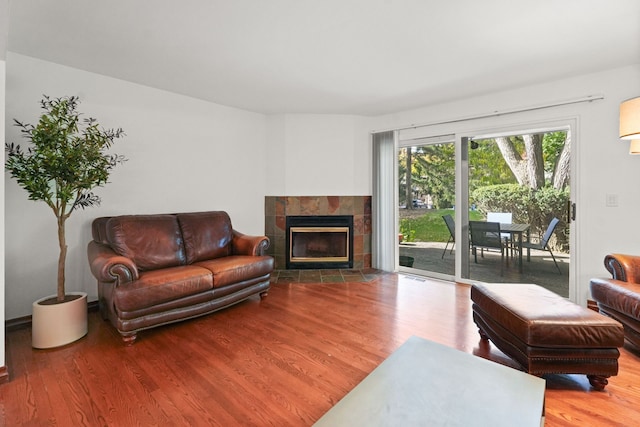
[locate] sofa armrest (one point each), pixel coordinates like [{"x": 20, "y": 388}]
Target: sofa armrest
[
  {"x": 243, "y": 244},
  {"x": 107, "y": 266},
  {"x": 623, "y": 267}
]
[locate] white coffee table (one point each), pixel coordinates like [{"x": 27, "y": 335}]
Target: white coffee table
[{"x": 427, "y": 384}]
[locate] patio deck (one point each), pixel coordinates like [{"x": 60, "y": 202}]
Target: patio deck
[{"x": 539, "y": 270}]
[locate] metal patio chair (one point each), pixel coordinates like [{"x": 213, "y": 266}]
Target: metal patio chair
[
  {"x": 543, "y": 244},
  {"x": 451, "y": 225},
  {"x": 486, "y": 235}
]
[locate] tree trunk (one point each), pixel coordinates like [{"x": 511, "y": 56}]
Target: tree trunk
[
  {"x": 513, "y": 159},
  {"x": 529, "y": 171},
  {"x": 63, "y": 256},
  {"x": 408, "y": 190},
  {"x": 562, "y": 173},
  {"x": 535, "y": 161}
]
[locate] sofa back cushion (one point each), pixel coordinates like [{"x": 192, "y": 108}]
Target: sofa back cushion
[
  {"x": 207, "y": 235},
  {"x": 151, "y": 241}
]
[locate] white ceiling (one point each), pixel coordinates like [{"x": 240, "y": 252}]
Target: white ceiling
[{"x": 363, "y": 57}]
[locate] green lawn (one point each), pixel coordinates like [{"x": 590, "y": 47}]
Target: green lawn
[{"x": 430, "y": 227}]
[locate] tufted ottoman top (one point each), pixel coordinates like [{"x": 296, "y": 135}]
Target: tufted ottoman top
[{"x": 541, "y": 318}]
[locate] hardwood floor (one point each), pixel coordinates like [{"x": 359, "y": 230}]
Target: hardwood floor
[{"x": 282, "y": 361}]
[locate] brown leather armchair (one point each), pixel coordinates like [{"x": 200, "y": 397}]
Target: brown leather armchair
[
  {"x": 158, "y": 269},
  {"x": 619, "y": 297}
]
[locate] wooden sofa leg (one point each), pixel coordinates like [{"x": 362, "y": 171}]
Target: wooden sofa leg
[
  {"x": 483, "y": 336},
  {"x": 263, "y": 294},
  {"x": 129, "y": 339}
]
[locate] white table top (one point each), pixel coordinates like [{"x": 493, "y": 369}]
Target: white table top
[{"x": 427, "y": 384}]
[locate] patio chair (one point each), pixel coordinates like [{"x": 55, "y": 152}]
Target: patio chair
[
  {"x": 543, "y": 244},
  {"x": 486, "y": 235},
  {"x": 502, "y": 218},
  {"x": 451, "y": 225}
]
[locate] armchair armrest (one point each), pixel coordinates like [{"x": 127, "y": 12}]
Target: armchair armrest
[
  {"x": 243, "y": 244},
  {"x": 107, "y": 266},
  {"x": 623, "y": 267}
]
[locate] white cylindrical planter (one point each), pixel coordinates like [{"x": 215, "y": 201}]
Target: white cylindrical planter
[{"x": 55, "y": 325}]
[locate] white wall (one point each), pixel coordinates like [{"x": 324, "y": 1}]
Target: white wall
[
  {"x": 184, "y": 155},
  {"x": 319, "y": 155},
  {"x": 603, "y": 163}
]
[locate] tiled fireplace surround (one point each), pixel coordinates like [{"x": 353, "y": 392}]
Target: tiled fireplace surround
[{"x": 277, "y": 208}]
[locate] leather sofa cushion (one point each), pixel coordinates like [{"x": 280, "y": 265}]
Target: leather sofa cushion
[
  {"x": 160, "y": 286},
  {"x": 541, "y": 318},
  {"x": 207, "y": 235},
  {"x": 237, "y": 268},
  {"x": 621, "y": 296},
  {"x": 150, "y": 241}
]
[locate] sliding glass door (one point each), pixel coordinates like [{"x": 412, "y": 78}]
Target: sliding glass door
[{"x": 430, "y": 191}]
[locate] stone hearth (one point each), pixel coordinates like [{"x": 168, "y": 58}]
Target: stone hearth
[{"x": 277, "y": 208}]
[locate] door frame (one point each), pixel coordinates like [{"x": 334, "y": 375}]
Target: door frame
[{"x": 569, "y": 124}]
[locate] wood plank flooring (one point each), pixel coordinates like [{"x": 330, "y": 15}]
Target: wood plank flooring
[{"x": 282, "y": 361}]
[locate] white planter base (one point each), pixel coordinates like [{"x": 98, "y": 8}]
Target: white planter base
[{"x": 59, "y": 324}]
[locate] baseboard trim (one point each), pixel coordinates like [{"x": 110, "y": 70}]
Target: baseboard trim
[{"x": 25, "y": 322}]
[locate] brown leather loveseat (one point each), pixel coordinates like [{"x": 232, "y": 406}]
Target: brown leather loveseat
[
  {"x": 158, "y": 269},
  {"x": 619, "y": 297}
]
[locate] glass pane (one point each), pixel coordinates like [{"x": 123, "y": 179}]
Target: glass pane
[
  {"x": 520, "y": 182},
  {"x": 426, "y": 196}
]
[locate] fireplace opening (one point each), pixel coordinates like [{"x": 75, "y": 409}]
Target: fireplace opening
[{"x": 319, "y": 242}]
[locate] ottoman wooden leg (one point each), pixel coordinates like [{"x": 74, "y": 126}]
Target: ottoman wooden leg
[{"x": 598, "y": 382}]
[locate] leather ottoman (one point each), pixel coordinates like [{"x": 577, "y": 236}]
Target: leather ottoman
[{"x": 545, "y": 333}]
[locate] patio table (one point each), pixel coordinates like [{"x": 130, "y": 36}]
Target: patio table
[{"x": 517, "y": 230}]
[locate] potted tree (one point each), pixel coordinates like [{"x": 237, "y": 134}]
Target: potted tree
[{"x": 66, "y": 159}]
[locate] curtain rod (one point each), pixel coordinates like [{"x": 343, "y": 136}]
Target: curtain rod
[{"x": 588, "y": 98}]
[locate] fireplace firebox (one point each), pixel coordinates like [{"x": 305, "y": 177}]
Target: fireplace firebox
[{"x": 319, "y": 242}]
